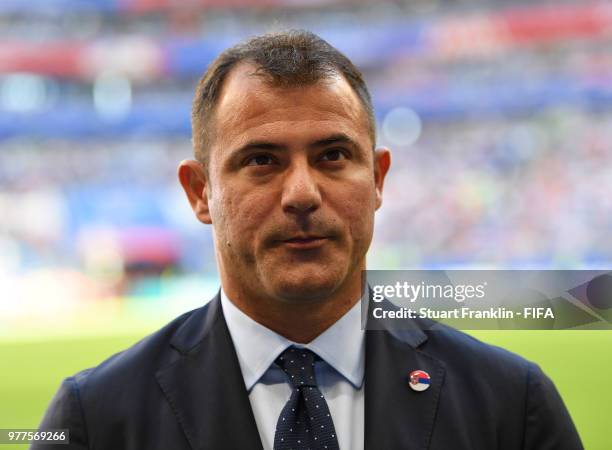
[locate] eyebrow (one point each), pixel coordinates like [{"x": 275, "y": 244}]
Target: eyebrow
[{"x": 337, "y": 138}]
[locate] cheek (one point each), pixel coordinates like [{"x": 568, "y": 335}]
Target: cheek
[
  {"x": 357, "y": 211},
  {"x": 361, "y": 228},
  {"x": 238, "y": 216}
]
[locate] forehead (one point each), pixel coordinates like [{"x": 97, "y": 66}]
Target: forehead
[{"x": 250, "y": 101}]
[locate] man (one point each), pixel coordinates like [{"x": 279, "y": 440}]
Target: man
[{"x": 287, "y": 173}]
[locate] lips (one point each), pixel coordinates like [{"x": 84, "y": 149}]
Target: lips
[
  {"x": 304, "y": 238},
  {"x": 305, "y": 242}
]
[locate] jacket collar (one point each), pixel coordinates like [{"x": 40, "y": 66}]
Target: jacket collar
[{"x": 197, "y": 327}]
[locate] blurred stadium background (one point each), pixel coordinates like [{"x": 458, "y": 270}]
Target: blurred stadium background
[{"x": 499, "y": 115}]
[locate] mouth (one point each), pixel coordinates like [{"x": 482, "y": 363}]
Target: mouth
[{"x": 305, "y": 242}]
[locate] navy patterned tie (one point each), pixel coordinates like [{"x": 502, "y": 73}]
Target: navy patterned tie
[{"x": 305, "y": 421}]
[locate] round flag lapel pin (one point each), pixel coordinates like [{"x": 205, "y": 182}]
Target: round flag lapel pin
[{"x": 419, "y": 380}]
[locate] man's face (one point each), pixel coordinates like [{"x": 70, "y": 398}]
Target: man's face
[{"x": 292, "y": 187}]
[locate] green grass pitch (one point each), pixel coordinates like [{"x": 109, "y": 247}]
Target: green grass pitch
[{"x": 580, "y": 363}]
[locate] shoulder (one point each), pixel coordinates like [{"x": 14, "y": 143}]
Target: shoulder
[
  {"x": 471, "y": 364},
  {"x": 123, "y": 388},
  {"x": 133, "y": 370},
  {"x": 506, "y": 385},
  {"x": 455, "y": 347}
]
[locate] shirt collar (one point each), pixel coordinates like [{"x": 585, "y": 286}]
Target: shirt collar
[{"x": 257, "y": 346}]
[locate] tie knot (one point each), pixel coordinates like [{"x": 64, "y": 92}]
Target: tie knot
[{"x": 298, "y": 363}]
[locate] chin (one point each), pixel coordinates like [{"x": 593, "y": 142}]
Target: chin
[{"x": 303, "y": 289}]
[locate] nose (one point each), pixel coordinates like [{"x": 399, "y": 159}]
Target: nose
[{"x": 301, "y": 193}]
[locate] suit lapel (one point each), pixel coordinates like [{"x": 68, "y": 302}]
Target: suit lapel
[
  {"x": 395, "y": 415},
  {"x": 205, "y": 387}
]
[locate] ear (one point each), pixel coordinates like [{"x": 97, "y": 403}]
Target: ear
[
  {"x": 382, "y": 162},
  {"x": 192, "y": 176}
]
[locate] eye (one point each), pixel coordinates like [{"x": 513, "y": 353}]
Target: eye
[
  {"x": 334, "y": 154},
  {"x": 260, "y": 160}
]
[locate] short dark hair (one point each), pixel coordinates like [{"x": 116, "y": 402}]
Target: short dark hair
[{"x": 290, "y": 58}]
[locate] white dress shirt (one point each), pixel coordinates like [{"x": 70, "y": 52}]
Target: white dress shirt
[{"x": 339, "y": 375}]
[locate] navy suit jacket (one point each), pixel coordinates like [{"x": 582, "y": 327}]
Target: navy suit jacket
[{"x": 182, "y": 388}]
